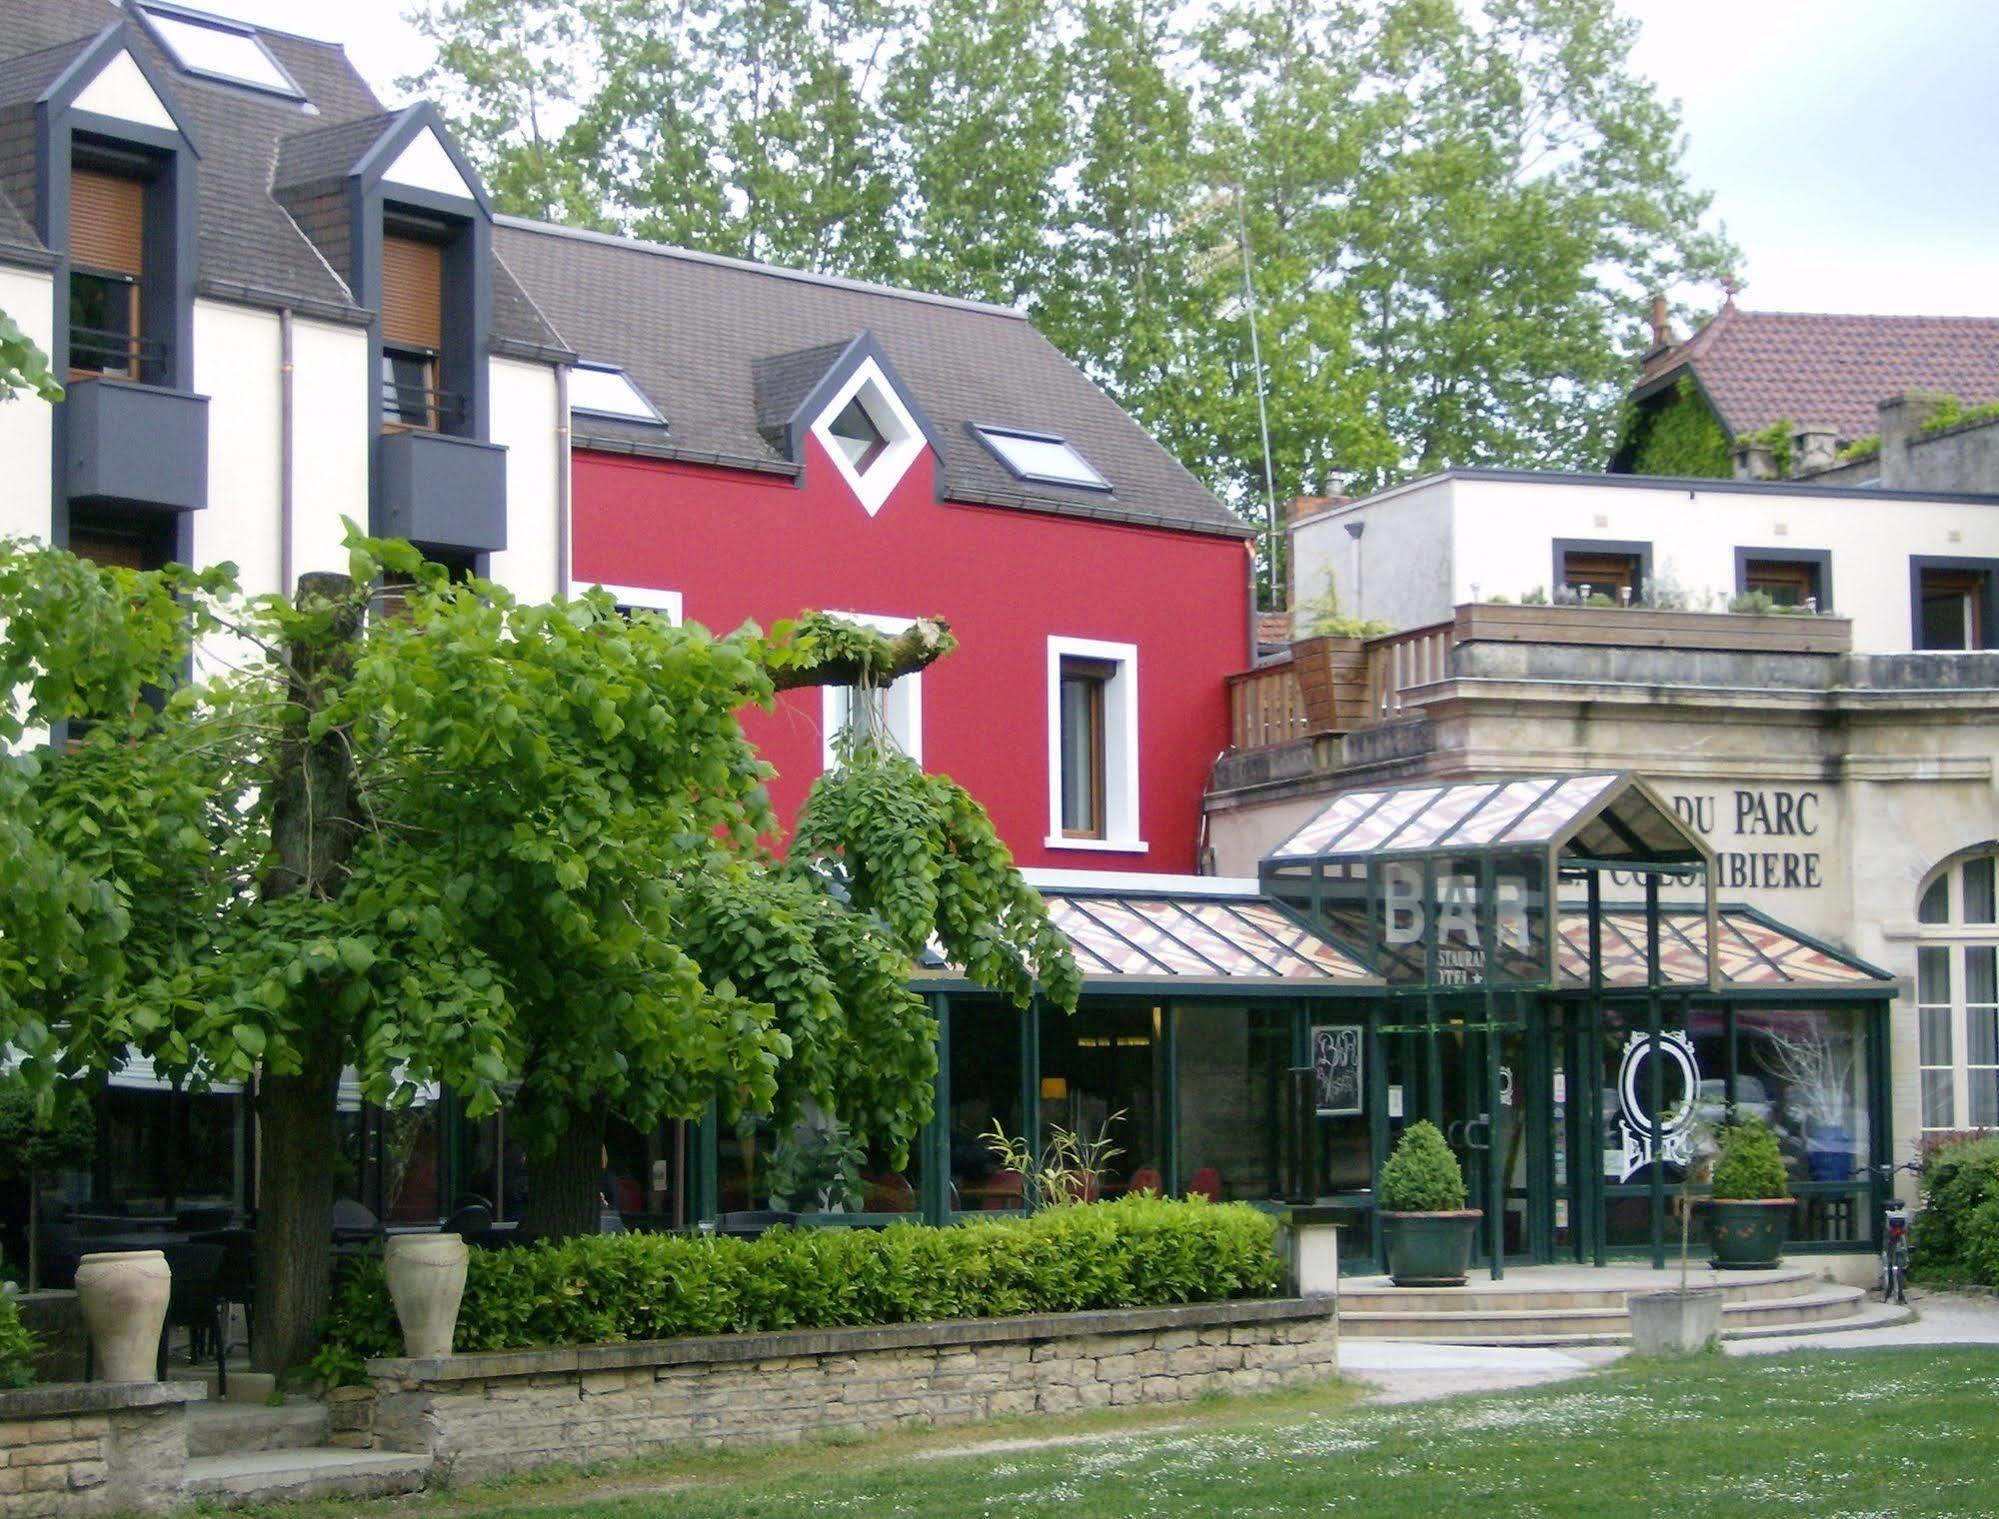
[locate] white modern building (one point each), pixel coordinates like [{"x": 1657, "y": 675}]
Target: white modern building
[{"x": 1912, "y": 570}]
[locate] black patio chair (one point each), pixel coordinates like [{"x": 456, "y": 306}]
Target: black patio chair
[
  {"x": 236, "y": 1281},
  {"x": 194, "y": 1302},
  {"x": 472, "y": 1222}
]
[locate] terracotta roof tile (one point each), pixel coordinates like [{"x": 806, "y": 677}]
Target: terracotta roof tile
[{"x": 1761, "y": 367}]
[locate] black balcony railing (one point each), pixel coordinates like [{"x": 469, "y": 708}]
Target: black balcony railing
[
  {"x": 424, "y": 407},
  {"x": 117, "y": 355}
]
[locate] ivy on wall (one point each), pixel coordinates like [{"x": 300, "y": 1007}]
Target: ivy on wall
[{"x": 1680, "y": 436}]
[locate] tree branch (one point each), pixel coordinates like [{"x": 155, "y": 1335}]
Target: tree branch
[{"x": 922, "y": 643}]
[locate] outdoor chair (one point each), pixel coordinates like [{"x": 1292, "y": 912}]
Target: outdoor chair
[
  {"x": 890, "y": 1194},
  {"x": 354, "y": 1218},
  {"x": 194, "y": 1302},
  {"x": 1207, "y": 1182},
  {"x": 471, "y": 1221},
  {"x": 236, "y": 1281},
  {"x": 1005, "y": 1190},
  {"x": 1145, "y": 1179}
]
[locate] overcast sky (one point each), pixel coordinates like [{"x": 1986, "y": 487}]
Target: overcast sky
[{"x": 1847, "y": 142}]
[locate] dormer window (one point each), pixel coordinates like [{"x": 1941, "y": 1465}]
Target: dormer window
[
  {"x": 1042, "y": 457},
  {"x": 107, "y": 221},
  {"x": 870, "y": 434},
  {"x": 856, "y": 435},
  {"x": 216, "y": 49}
]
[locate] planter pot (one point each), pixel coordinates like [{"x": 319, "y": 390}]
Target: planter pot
[
  {"x": 1675, "y": 1323},
  {"x": 1829, "y": 1154},
  {"x": 123, "y": 1298},
  {"x": 1332, "y": 682},
  {"x": 426, "y": 1275},
  {"x": 1747, "y": 1234},
  {"x": 1430, "y": 1249}
]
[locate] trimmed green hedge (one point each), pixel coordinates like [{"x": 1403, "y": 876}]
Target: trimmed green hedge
[
  {"x": 1749, "y": 1165},
  {"x": 1956, "y": 1236},
  {"x": 17, "y": 1346},
  {"x": 1137, "y": 1252},
  {"x": 1422, "y": 1174}
]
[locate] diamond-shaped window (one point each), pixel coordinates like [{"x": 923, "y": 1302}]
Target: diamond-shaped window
[{"x": 856, "y": 435}]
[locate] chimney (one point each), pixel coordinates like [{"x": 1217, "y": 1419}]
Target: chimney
[
  {"x": 1306, "y": 506},
  {"x": 1755, "y": 461},
  {"x": 1662, "y": 324},
  {"x": 1812, "y": 449},
  {"x": 1902, "y": 419}
]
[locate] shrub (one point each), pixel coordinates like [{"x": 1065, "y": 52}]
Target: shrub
[
  {"x": 1140, "y": 1251},
  {"x": 1748, "y": 1165},
  {"x": 1422, "y": 1175},
  {"x": 17, "y": 1346},
  {"x": 1956, "y": 1236}
]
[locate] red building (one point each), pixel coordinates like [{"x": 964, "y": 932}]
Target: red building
[{"x": 749, "y": 442}]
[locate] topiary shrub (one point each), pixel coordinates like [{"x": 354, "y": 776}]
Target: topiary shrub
[
  {"x": 1960, "y": 1180},
  {"x": 18, "y": 1346},
  {"x": 1140, "y": 1251},
  {"x": 1748, "y": 1165},
  {"x": 1422, "y": 1175}
]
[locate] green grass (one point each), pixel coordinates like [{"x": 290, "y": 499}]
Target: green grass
[{"x": 1831, "y": 1435}]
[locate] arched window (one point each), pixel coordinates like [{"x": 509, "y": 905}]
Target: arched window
[{"x": 1957, "y": 994}]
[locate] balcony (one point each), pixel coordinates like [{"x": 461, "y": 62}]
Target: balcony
[
  {"x": 139, "y": 445},
  {"x": 442, "y": 491}
]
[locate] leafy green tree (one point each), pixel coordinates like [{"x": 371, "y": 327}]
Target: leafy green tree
[
  {"x": 23, "y": 366},
  {"x": 433, "y": 834}
]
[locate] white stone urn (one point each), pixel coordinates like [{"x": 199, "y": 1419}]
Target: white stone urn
[
  {"x": 122, "y": 1295},
  {"x": 426, "y": 1275}
]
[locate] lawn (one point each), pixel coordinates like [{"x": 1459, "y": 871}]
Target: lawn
[{"x": 1832, "y": 1435}]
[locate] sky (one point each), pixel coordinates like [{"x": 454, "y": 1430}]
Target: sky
[{"x": 1847, "y": 143}]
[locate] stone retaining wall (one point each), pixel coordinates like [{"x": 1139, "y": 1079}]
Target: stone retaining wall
[
  {"x": 506, "y": 1411},
  {"x": 92, "y": 1448}
]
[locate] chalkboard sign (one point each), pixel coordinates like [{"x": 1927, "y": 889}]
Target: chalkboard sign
[{"x": 1336, "y": 1068}]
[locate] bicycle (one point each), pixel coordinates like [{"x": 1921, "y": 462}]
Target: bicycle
[{"x": 1894, "y": 1277}]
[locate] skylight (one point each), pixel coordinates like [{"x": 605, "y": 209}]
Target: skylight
[
  {"x": 217, "y": 49},
  {"x": 1041, "y": 456},
  {"x": 606, "y": 392}
]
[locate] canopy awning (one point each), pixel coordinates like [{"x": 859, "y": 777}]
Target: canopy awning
[
  {"x": 1194, "y": 937},
  {"x": 1751, "y": 950}
]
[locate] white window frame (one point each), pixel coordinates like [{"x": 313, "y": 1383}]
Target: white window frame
[
  {"x": 1121, "y": 794},
  {"x": 1955, "y": 937},
  {"x": 902, "y": 439},
  {"x": 645, "y": 598},
  {"x": 902, "y": 700}
]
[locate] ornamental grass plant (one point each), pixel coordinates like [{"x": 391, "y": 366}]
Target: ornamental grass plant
[
  {"x": 1422, "y": 1175},
  {"x": 1136, "y": 1252}
]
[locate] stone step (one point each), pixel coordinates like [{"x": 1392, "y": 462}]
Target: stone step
[
  {"x": 1870, "y": 1314},
  {"x": 269, "y": 1476},
  {"x": 245, "y": 1385},
  {"x": 1541, "y": 1325},
  {"x": 1370, "y": 1294},
  {"x": 221, "y": 1429}
]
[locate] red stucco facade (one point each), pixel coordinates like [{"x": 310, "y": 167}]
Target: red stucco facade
[{"x": 736, "y": 544}]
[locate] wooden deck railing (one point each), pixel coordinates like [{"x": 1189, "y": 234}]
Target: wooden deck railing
[
  {"x": 1266, "y": 707},
  {"x": 1400, "y": 661}
]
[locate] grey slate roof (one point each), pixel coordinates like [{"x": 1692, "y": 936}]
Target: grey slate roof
[
  {"x": 724, "y": 349},
  {"x": 250, "y": 248}
]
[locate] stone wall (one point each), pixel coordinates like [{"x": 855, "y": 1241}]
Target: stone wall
[
  {"x": 506, "y": 1411},
  {"x": 92, "y": 1448}
]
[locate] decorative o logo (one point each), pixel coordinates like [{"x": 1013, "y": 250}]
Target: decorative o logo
[{"x": 1679, "y": 1049}]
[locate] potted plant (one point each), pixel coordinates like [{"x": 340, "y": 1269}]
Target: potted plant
[
  {"x": 1425, "y": 1224},
  {"x": 1749, "y": 1204},
  {"x": 1329, "y": 656}
]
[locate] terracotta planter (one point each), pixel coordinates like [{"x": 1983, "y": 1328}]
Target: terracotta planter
[
  {"x": 1747, "y": 1234},
  {"x": 1332, "y": 682},
  {"x": 1429, "y": 1249},
  {"x": 426, "y": 1275},
  {"x": 1675, "y": 1323},
  {"x": 123, "y": 1298}
]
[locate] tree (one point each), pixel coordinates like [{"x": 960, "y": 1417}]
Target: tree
[
  {"x": 23, "y": 366},
  {"x": 433, "y": 834}
]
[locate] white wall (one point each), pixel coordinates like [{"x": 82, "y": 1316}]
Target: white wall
[
  {"x": 1439, "y": 542},
  {"x": 331, "y": 444},
  {"x": 238, "y": 357},
  {"x": 28, "y": 296},
  {"x": 524, "y": 420}
]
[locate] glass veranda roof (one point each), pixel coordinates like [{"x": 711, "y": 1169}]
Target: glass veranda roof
[{"x": 1609, "y": 817}]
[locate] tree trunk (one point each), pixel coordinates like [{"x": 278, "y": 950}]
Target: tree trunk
[
  {"x": 565, "y": 1184},
  {"x": 301, "y": 1136},
  {"x": 314, "y": 825}
]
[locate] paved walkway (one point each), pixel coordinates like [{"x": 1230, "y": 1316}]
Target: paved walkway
[{"x": 1942, "y": 1318}]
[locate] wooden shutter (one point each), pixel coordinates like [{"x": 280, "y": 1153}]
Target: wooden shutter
[
  {"x": 412, "y": 294},
  {"x": 107, "y": 222},
  {"x": 108, "y": 550}
]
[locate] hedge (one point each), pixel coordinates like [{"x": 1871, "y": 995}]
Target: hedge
[
  {"x": 17, "y": 1346},
  {"x": 1956, "y": 1236},
  {"x": 1136, "y": 1252}
]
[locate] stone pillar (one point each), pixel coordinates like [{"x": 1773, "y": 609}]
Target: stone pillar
[
  {"x": 1812, "y": 449},
  {"x": 1755, "y": 461},
  {"x": 1902, "y": 419}
]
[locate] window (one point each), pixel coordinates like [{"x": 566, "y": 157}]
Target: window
[
  {"x": 1957, "y": 997},
  {"x": 893, "y": 714},
  {"x": 1040, "y": 456},
  {"x": 1789, "y": 577},
  {"x": 413, "y": 335},
  {"x": 1616, "y": 570},
  {"x": 604, "y": 391},
  {"x": 107, "y": 221},
  {"x": 635, "y": 598},
  {"x": 1092, "y": 745},
  {"x": 869, "y": 434},
  {"x": 123, "y": 540},
  {"x": 1954, "y": 607},
  {"x": 217, "y": 50}
]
